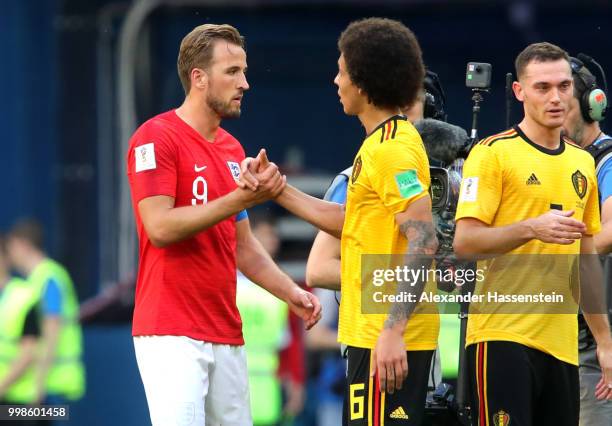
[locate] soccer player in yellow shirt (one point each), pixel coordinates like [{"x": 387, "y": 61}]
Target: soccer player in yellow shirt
[
  {"x": 528, "y": 191},
  {"x": 388, "y": 211}
]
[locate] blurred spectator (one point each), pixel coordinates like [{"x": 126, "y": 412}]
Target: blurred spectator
[
  {"x": 331, "y": 378},
  {"x": 19, "y": 333},
  {"x": 59, "y": 373},
  {"x": 292, "y": 371},
  {"x": 266, "y": 333},
  {"x": 323, "y": 272},
  {"x": 114, "y": 304}
]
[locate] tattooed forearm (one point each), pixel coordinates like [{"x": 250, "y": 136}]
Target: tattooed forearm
[
  {"x": 421, "y": 237},
  {"x": 422, "y": 245}
]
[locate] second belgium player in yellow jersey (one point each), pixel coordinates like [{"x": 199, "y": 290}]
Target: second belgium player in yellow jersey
[
  {"x": 532, "y": 195},
  {"x": 388, "y": 212}
]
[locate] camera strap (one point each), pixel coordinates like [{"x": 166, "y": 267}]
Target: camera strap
[{"x": 601, "y": 152}]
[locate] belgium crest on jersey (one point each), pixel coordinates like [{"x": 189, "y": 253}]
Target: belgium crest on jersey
[
  {"x": 356, "y": 169},
  {"x": 580, "y": 183},
  {"x": 501, "y": 418}
]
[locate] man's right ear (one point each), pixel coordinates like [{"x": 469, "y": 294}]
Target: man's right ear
[
  {"x": 199, "y": 78},
  {"x": 518, "y": 91}
]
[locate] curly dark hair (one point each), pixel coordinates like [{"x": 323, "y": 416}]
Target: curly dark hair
[{"x": 383, "y": 58}]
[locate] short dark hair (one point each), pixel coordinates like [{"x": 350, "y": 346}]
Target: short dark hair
[
  {"x": 538, "y": 52},
  {"x": 29, "y": 230},
  {"x": 196, "y": 49},
  {"x": 383, "y": 58}
]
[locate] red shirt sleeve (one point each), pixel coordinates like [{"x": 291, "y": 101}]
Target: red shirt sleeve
[{"x": 152, "y": 165}]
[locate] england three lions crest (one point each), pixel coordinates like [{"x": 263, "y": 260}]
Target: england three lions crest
[{"x": 234, "y": 169}]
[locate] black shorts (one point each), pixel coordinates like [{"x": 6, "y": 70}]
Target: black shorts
[
  {"x": 513, "y": 384},
  {"x": 366, "y": 405}
]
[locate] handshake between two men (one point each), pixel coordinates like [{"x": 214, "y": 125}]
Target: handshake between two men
[
  {"x": 262, "y": 178},
  {"x": 261, "y": 181}
]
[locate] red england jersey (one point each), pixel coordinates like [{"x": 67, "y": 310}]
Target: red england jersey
[{"x": 186, "y": 288}]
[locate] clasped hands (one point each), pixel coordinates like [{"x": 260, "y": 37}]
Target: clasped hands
[{"x": 260, "y": 179}]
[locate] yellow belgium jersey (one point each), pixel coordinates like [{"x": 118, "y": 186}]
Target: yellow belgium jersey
[
  {"x": 390, "y": 172},
  {"x": 507, "y": 178}
]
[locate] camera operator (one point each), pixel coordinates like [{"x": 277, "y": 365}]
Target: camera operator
[{"x": 586, "y": 109}]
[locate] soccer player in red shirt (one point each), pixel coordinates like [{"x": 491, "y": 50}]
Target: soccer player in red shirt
[{"x": 193, "y": 232}]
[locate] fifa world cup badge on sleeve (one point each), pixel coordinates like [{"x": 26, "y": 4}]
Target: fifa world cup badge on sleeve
[
  {"x": 145, "y": 157},
  {"x": 408, "y": 183},
  {"x": 469, "y": 189}
]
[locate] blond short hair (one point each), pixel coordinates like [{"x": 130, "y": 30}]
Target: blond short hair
[{"x": 196, "y": 49}]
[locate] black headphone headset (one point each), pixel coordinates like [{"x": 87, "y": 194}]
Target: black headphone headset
[
  {"x": 593, "y": 100},
  {"x": 435, "y": 99}
]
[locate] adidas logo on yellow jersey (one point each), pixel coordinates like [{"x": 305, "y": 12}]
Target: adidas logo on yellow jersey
[
  {"x": 399, "y": 413},
  {"x": 533, "y": 180}
]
